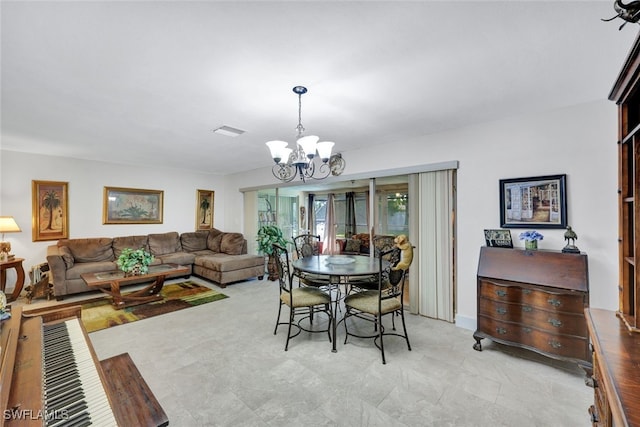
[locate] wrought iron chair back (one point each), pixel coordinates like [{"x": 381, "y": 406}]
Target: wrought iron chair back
[{"x": 307, "y": 245}]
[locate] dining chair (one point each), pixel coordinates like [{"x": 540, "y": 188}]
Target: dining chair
[
  {"x": 302, "y": 301},
  {"x": 373, "y": 304},
  {"x": 382, "y": 244},
  {"x": 307, "y": 245}
]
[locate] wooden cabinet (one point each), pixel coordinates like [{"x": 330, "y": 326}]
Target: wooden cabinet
[
  {"x": 626, "y": 94},
  {"x": 616, "y": 383},
  {"x": 534, "y": 300}
]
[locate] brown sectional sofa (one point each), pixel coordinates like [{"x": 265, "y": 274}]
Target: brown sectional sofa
[{"x": 213, "y": 254}]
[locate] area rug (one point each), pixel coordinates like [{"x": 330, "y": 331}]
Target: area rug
[{"x": 100, "y": 314}]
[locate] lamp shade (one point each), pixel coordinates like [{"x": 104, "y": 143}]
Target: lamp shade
[
  {"x": 324, "y": 150},
  {"x": 8, "y": 225}
]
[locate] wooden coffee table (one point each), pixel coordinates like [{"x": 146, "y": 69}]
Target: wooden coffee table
[{"x": 115, "y": 279}]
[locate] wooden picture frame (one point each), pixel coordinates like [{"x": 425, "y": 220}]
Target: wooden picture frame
[
  {"x": 50, "y": 210},
  {"x": 498, "y": 238},
  {"x": 132, "y": 206},
  {"x": 535, "y": 202},
  {"x": 204, "y": 209}
]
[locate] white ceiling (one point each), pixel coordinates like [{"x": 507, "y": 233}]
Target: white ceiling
[{"x": 146, "y": 82}]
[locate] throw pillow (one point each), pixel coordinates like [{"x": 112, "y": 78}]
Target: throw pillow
[
  {"x": 67, "y": 256},
  {"x": 352, "y": 245}
]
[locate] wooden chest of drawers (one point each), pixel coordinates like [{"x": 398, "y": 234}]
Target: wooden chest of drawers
[{"x": 534, "y": 300}]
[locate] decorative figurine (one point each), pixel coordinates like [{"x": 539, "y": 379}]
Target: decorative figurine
[
  {"x": 570, "y": 236},
  {"x": 406, "y": 252}
]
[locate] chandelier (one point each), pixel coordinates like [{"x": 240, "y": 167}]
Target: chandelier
[{"x": 302, "y": 160}]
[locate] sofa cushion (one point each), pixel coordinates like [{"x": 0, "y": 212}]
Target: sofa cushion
[
  {"x": 232, "y": 243},
  {"x": 90, "y": 267},
  {"x": 131, "y": 242},
  {"x": 89, "y": 250},
  {"x": 352, "y": 245},
  {"x": 214, "y": 240},
  {"x": 67, "y": 256},
  {"x": 181, "y": 258},
  {"x": 164, "y": 243},
  {"x": 225, "y": 262},
  {"x": 194, "y": 241}
]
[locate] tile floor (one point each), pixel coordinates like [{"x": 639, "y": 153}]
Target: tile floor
[{"x": 220, "y": 364}]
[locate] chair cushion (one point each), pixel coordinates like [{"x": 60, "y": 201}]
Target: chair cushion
[
  {"x": 305, "y": 297},
  {"x": 367, "y": 301}
]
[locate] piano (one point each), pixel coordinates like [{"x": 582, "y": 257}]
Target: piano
[{"x": 51, "y": 376}]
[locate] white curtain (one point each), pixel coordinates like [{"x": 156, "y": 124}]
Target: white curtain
[
  {"x": 432, "y": 285},
  {"x": 329, "y": 238}
]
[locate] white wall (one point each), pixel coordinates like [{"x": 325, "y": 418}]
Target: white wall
[
  {"x": 579, "y": 142},
  {"x": 87, "y": 180}
]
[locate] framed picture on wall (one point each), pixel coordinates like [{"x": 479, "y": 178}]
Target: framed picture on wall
[
  {"x": 50, "y": 210},
  {"x": 535, "y": 202},
  {"x": 132, "y": 206},
  {"x": 204, "y": 209}
]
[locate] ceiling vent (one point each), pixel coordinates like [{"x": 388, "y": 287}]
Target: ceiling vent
[{"x": 228, "y": 131}]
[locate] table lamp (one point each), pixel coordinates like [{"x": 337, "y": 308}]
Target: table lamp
[{"x": 7, "y": 225}]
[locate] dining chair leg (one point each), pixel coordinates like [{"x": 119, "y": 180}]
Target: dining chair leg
[
  {"x": 380, "y": 334},
  {"x": 286, "y": 346},
  {"x": 404, "y": 326},
  {"x": 278, "y": 319}
]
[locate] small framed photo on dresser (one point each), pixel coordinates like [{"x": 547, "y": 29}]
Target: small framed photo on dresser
[{"x": 498, "y": 238}]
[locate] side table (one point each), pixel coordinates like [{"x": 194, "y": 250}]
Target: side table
[{"x": 16, "y": 264}]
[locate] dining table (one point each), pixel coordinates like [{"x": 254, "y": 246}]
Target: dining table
[{"x": 340, "y": 270}]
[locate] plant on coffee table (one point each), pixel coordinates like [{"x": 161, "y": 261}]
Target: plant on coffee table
[{"x": 134, "y": 262}]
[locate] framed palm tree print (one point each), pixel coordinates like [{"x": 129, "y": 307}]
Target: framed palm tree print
[
  {"x": 204, "y": 209},
  {"x": 50, "y": 210}
]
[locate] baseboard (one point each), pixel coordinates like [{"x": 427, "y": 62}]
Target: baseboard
[{"x": 466, "y": 322}]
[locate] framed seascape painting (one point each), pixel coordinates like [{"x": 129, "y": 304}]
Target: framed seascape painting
[
  {"x": 50, "y": 210},
  {"x": 535, "y": 202},
  {"x": 204, "y": 209},
  {"x": 132, "y": 206}
]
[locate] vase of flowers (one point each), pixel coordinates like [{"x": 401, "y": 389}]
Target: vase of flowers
[
  {"x": 134, "y": 262},
  {"x": 531, "y": 239}
]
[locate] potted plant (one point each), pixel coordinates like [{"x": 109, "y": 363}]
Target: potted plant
[
  {"x": 134, "y": 262},
  {"x": 267, "y": 236}
]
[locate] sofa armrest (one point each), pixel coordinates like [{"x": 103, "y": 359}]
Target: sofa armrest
[{"x": 56, "y": 265}]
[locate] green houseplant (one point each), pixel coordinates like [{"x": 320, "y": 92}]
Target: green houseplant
[
  {"x": 267, "y": 236},
  {"x": 134, "y": 262}
]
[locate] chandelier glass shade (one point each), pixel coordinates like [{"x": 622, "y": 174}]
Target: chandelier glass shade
[{"x": 302, "y": 160}]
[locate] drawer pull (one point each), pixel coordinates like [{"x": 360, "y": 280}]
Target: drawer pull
[
  {"x": 526, "y": 330},
  {"x": 554, "y": 302},
  {"x": 501, "y": 293},
  {"x": 527, "y": 309},
  {"x": 501, "y": 331},
  {"x": 526, "y": 291},
  {"x": 555, "y": 322},
  {"x": 501, "y": 310},
  {"x": 555, "y": 344}
]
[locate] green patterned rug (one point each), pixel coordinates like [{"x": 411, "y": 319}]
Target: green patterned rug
[{"x": 100, "y": 314}]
